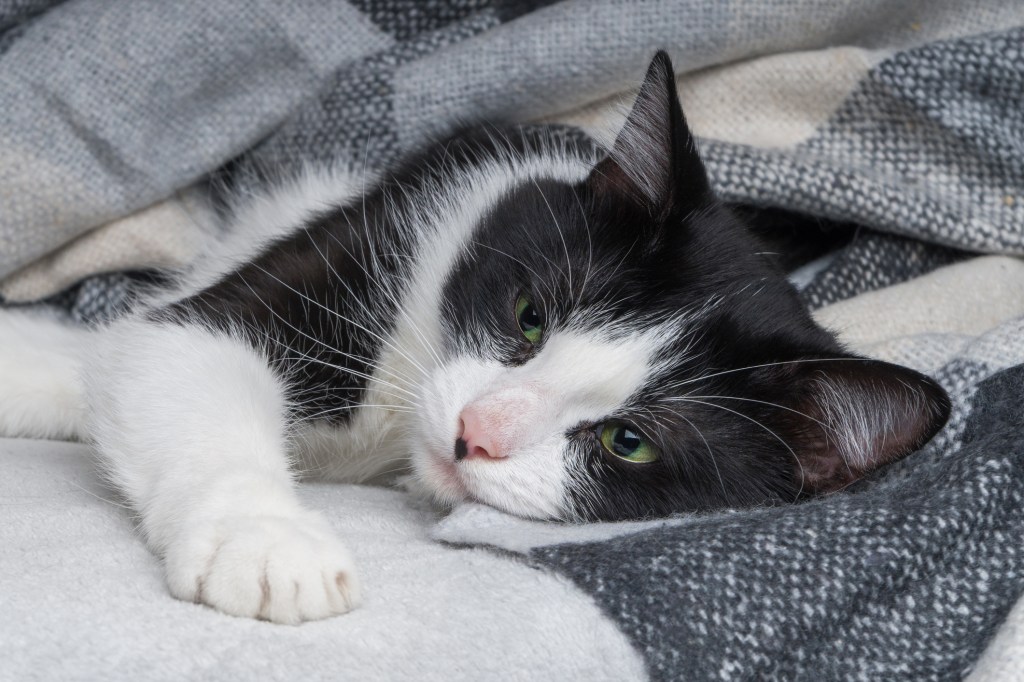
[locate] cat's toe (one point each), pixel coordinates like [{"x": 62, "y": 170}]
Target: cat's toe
[{"x": 274, "y": 569}]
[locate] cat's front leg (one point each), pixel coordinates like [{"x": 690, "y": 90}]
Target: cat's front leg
[{"x": 191, "y": 425}]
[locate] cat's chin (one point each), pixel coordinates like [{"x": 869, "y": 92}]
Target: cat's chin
[
  {"x": 441, "y": 477},
  {"x": 447, "y": 483}
]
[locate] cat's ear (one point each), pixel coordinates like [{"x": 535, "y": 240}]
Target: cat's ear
[
  {"x": 654, "y": 158},
  {"x": 849, "y": 417}
]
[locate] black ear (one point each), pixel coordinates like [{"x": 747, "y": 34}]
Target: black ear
[
  {"x": 654, "y": 158},
  {"x": 850, "y": 417}
]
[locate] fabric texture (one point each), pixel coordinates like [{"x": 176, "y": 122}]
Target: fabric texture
[
  {"x": 895, "y": 116},
  {"x": 899, "y": 581},
  {"x": 903, "y": 119},
  {"x": 1004, "y": 658},
  {"x": 907, "y": 576}
]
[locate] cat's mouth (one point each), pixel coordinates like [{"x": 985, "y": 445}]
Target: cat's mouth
[{"x": 447, "y": 478}]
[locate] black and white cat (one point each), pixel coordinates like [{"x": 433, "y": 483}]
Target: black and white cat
[{"x": 513, "y": 319}]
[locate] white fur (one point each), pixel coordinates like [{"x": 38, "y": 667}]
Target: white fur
[
  {"x": 40, "y": 391},
  {"x": 858, "y": 420},
  {"x": 577, "y": 378},
  {"x": 261, "y": 219},
  {"x": 191, "y": 427},
  {"x": 191, "y": 424}
]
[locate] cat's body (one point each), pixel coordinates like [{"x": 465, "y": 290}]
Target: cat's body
[{"x": 508, "y": 317}]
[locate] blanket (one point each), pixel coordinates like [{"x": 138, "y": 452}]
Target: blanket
[{"x": 122, "y": 123}]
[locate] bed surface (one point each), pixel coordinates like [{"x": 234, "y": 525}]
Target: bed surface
[{"x": 82, "y": 597}]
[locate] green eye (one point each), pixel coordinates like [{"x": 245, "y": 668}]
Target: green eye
[
  {"x": 529, "y": 320},
  {"x": 625, "y": 442}
]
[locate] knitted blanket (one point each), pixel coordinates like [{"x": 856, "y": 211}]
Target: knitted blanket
[{"x": 899, "y": 122}]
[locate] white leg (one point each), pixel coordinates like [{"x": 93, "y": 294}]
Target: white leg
[
  {"x": 40, "y": 388},
  {"x": 191, "y": 424}
]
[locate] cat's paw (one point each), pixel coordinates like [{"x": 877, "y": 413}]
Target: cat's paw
[{"x": 272, "y": 568}]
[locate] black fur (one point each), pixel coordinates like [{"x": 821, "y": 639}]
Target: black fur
[
  {"x": 640, "y": 240},
  {"x": 290, "y": 296},
  {"x": 650, "y": 257}
]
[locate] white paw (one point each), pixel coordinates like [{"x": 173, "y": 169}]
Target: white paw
[{"x": 272, "y": 568}]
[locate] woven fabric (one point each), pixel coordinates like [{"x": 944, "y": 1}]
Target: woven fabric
[
  {"x": 110, "y": 107},
  {"x": 906, "y": 580},
  {"x": 875, "y": 260},
  {"x": 894, "y": 117},
  {"x": 902, "y": 118}
]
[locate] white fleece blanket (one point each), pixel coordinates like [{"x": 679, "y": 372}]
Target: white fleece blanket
[{"x": 82, "y": 599}]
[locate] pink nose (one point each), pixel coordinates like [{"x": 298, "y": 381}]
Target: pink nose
[{"x": 473, "y": 440}]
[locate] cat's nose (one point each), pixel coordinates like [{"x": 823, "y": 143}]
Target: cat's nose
[{"x": 473, "y": 440}]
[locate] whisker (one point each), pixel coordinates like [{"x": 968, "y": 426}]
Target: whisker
[
  {"x": 590, "y": 243},
  {"x": 786, "y": 445},
  {"x": 561, "y": 236},
  {"x": 325, "y": 345},
  {"x": 551, "y": 292},
  {"x": 349, "y": 408},
  {"x": 411, "y": 397},
  {"x": 399, "y": 309},
  {"x": 342, "y": 317},
  {"x": 751, "y": 400},
  {"x": 358, "y": 299},
  {"x": 710, "y": 452},
  {"x": 768, "y": 364},
  {"x": 361, "y": 375}
]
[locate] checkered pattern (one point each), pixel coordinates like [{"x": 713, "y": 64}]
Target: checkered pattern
[
  {"x": 408, "y": 19},
  {"x": 928, "y": 148},
  {"x": 875, "y": 260},
  {"x": 354, "y": 116},
  {"x": 906, "y": 579}
]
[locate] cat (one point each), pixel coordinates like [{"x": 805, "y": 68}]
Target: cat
[{"x": 517, "y": 318}]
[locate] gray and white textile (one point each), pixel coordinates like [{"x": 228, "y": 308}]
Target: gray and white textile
[{"x": 903, "y": 118}]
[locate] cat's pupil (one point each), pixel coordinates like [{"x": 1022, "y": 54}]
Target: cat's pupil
[
  {"x": 528, "y": 318},
  {"x": 625, "y": 441}
]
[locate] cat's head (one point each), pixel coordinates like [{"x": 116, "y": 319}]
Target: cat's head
[{"x": 618, "y": 348}]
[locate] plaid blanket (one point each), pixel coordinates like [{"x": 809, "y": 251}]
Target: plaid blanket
[{"x": 902, "y": 122}]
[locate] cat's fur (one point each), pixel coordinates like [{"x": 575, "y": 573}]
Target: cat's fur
[{"x": 372, "y": 326}]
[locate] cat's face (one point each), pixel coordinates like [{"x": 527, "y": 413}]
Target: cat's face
[{"x": 618, "y": 348}]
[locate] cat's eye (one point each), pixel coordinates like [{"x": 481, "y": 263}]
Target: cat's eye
[
  {"x": 625, "y": 442},
  {"x": 529, "y": 320}
]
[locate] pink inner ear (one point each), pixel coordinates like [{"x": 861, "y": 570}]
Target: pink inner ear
[
  {"x": 829, "y": 464},
  {"x": 859, "y": 416}
]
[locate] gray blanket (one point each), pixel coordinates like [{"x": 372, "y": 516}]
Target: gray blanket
[{"x": 903, "y": 119}]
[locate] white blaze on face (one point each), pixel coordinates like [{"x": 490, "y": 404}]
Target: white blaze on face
[{"x": 524, "y": 413}]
